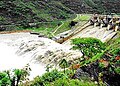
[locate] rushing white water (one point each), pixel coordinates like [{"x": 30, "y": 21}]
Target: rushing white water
[
  {"x": 19, "y": 49},
  {"x": 10, "y": 60}
]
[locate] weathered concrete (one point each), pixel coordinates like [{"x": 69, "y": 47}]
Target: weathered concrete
[{"x": 95, "y": 32}]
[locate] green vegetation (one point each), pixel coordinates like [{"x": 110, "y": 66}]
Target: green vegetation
[
  {"x": 114, "y": 52},
  {"x": 2, "y": 18},
  {"x": 56, "y": 27},
  {"x": 82, "y": 17},
  {"x": 71, "y": 82},
  {"x": 22, "y": 12},
  {"x": 89, "y": 46},
  {"x": 103, "y": 59},
  {"x": 47, "y": 78},
  {"x": 14, "y": 77},
  {"x": 63, "y": 64},
  {"x": 96, "y": 6},
  {"x": 65, "y": 26},
  {"x": 57, "y": 78},
  {"x": 93, "y": 49}
]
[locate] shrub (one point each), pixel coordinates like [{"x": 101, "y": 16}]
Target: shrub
[
  {"x": 47, "y": 78},
  {"x": 71, "y": 82},
  {"x": 4, "y": 79}
]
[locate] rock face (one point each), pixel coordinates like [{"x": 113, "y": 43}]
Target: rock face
[{"x": 80, "y": 74}]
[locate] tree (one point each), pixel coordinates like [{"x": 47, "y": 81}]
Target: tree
[
  {"x": 88, "y": 46},
  {"x": 63, "y": 64}
]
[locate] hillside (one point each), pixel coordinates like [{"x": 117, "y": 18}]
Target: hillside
[
  {"x": 22, "y": 12},
  {"x": 91, "y": 6},
  {"x": 15, "y": 13}
]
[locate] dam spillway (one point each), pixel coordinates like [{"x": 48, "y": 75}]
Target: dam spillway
[{"x": 19, "y": 49}]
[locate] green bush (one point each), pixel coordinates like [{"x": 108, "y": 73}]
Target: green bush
[
  {"x": 70, "y": 82},
  {"x": 117, "y": 70},
  {"x": 47, "y": 78},
  {"x": 4, "y": 79},
  {"x": 37, "y": 81}
]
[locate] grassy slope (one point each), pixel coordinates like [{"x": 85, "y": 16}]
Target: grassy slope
[
  {"x": 39, "y": 10},
  {"x": 15, "y": 13},
  {"x": 91, "y": 6},
  {"x": 82, "y": 18},
  {"x": 22, "y": 12}
]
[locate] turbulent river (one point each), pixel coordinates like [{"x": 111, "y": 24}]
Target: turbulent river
[{"x": 19, "y": 49}]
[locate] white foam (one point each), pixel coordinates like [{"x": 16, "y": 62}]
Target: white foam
[
  {"x": 29, "y": 48},
  {"x": 9, "y": 60}
]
